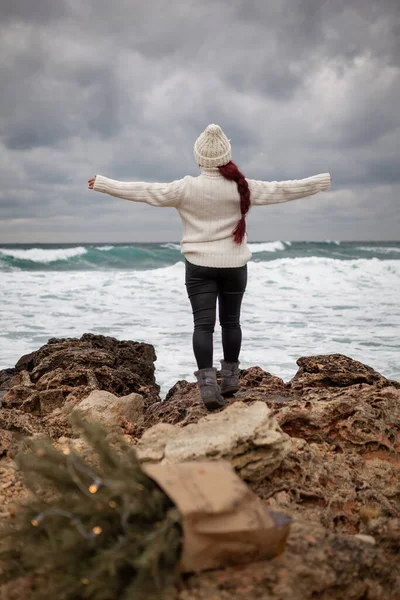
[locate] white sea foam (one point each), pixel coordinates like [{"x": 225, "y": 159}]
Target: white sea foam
[
  {"x": 105, "y": 248},
  {"x": 44, "y": 255},
  {"x": 266, "y": 247},
  {"x": 292, "y": 307},
  {"x": 380, "y": 249},
  {"x": 171, "y": 246}
]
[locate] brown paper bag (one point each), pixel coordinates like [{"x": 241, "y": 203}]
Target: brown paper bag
[{"x": 224, "y": 523}]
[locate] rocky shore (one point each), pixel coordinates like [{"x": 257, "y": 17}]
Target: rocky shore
[{"x": 323, "y": 448}]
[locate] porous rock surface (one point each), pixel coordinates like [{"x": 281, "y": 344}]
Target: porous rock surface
[
  {"x": 340, "y": 480},
  {"x": 247, "y": 435},
  {"x": 47, "y": 383}
]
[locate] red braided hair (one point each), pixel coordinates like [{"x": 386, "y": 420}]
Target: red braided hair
[{"x": 231, "y": 172}]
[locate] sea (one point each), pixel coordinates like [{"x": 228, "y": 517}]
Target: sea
[{"x": 302, "y": 299}]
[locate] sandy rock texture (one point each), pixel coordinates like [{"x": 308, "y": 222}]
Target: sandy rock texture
[
  {"x": 246, "y": 435},
  {"x": 338, "y": 476}
]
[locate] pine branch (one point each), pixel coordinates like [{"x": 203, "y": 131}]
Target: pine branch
[{"x": 101, "y": 530}]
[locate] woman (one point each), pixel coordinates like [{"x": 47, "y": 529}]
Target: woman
[{"x": 213, "y": 209}]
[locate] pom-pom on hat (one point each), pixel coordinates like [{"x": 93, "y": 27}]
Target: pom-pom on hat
[{"x": 212, "y": 148}]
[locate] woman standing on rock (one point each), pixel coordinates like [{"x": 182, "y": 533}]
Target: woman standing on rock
[{"x": 213, "y": 209}]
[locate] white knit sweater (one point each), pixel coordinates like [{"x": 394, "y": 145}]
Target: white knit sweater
[{"x": 209, "y": 208}]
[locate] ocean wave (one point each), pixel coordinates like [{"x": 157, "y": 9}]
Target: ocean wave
[
  {"x": 43, "y": 255},
  {"x": 299, "y": 269},
  {"x": 171, "y": 246},
  {"x": 381, "y": 249},
  {"x": 372, "y": 264},
  {"x": 266, "y": 247},
  {"x": 308, "y": 305},
  {"x": 140, "y": 257},
  {"x": 147, "y": 257}
]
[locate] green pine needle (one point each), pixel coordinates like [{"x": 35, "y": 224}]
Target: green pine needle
[{"x": 98, "y": 530}]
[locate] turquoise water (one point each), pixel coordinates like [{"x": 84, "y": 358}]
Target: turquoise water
[
  {"x": 303, "y": 298},
  {"x": 68, "y": 257}
]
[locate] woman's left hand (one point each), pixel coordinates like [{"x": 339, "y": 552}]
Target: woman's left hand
[{"x": 91, "y": 182}]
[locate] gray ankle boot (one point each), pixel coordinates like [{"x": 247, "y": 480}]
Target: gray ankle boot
[
  {"x": 229, "y": 378},
  {"x": 209, "y": 389}
]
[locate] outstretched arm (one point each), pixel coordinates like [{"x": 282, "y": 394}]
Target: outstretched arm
[
  {"x": 156, "y": 194},
  {"x": 274, "y": 192}
]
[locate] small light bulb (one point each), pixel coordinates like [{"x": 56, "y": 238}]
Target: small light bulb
[
  {"x": 35, "y": 522},
  {"x": 93, "y": 488},
  {"x": 112, "y": 503},
  {"x": 97, "y": 530},
  {"x": 84, "y": 580},
  {"x": 66, "y": 451}
]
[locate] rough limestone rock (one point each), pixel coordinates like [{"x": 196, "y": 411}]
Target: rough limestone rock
[
  {"x": 362, "y": 417},
  {"x": 6, "y": 375},
  {"x": 340, "y": 482},
  {"x": 316, "y": 565},
  {"x": 68, "y": 370},
  {"x": 65, "y": 371},
  {"x": 109, "y": 410},
  {"x": 183, "y": 404},
  {"x": 15, "y": 426},
  {"x": 335, "y": 370},
  {"x": 246, "y": 435}
]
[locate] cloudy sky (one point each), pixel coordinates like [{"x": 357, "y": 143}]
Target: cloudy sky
[{"x": 124, "y": 87}]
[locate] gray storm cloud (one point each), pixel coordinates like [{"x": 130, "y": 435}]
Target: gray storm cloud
[{"x": 123, "y": 89}]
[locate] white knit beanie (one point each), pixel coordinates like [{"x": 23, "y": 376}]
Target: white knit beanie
[{"x": 212, "y": 147}]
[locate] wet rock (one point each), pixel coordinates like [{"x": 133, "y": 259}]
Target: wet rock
[{"x": 246, "y": 435}]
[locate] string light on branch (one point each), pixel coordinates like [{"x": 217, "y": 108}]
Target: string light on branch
[
  {"x": 97, "y": 530},
  {"x": 93, "y": 488},
  {"x": 98, "y": 514}
]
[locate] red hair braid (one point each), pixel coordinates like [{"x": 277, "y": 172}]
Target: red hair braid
[{"x": 231, "y": 172}]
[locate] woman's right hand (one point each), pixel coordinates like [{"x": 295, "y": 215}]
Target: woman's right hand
[{"x": 91, "y": 182}]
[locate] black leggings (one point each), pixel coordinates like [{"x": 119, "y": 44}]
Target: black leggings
[{"x": 204, "y": 285}]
